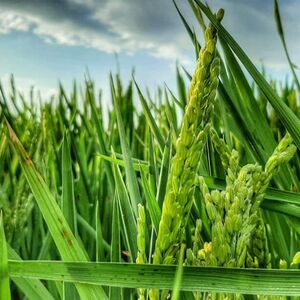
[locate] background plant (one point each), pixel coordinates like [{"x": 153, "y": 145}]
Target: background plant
[{"x": 78, "y": 184}]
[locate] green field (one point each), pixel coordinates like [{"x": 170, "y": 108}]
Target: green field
[{"x": 188, "y": 194}]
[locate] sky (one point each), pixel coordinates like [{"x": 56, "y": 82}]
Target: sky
[{"x": 44, "y": 41}]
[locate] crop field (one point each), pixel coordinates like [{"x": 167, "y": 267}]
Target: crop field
[{"x": 191, "y": 194}]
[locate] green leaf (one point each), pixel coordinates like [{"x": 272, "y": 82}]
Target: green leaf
[
  {"x": 127, "y": 214},
  {"x": 131, "y": 179},
  {"x": 150, "y": 119},
  {"x": 286, "y": 115},
  {"x": 115, "y": 292},
  {"x": 99, "y": 236},
  {"x": 179, "y": 275},
  {"x": 137, "y": 165},
  {"x": 164, "y": 171},
  {"x": 181, "y": 87},
  {"x": 32, "y": 288},
  {"x": 206, "y": 279},
  {"x": 191, "y": 35},
  {"x": 101, "y": 139},
  {"x": 66, "y": 243},
  {"x": 68, "y": 202},
  {"x": 282, "y": 37},
  {"x": 4, "y": 276},
  {"x": 151, "y": 203}
]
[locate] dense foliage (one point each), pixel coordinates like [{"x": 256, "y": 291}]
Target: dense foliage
[{"x": 207, "y": 177}]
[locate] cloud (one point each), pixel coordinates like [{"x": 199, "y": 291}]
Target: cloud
[
  {"x": 135, "y": 26},
  {"x": 110, "y": 26},
  {"x": 11, "y": 22}
]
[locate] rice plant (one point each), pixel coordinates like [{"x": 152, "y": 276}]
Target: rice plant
[{"x": 193, "y": 196}]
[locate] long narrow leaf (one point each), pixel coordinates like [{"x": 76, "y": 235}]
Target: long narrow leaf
[
  {"x": 288, "y": 118},
  {"x": 209, "y": 279},
  {"x": 62, "y": 235},
  {"x": 31, "y": 287},
  {"x": 133, "y": 188},
  {"x": 4, "y": 279}
]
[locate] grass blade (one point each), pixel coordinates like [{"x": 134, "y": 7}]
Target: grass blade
[
  {"x": 282, "y": 37},
  {"x": 132, "y": 183},
  {"x": 150, "y": 119},
  {"x": 179, "y": 275},
  {"x": 61, "y": 233},
  {"x": 4, "y": 277},
  {"x": 288, "y": 118},
  {"x": 68, "y": 202},
  {"x": 129, "y": 222},
  {"x": 151, "y": 203},
  {"x": 115, "y": 292},
  {"x": 32, "y": 288},
  {"x": 229, "y": 280}
]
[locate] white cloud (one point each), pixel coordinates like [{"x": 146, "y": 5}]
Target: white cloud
[
  {"x": 153, "y": 27},
  {"x": 112, "y": 26},
  {"x": 11, "y": 21}
]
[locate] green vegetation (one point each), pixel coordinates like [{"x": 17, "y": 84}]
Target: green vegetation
[{"x": 195, "y": 196}]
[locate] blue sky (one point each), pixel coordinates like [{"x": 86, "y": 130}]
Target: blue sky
[{"x": 43, "y": 41}]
